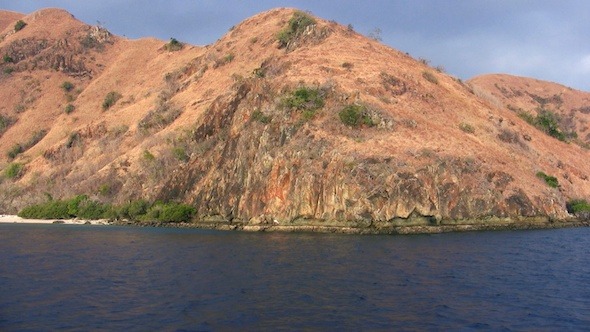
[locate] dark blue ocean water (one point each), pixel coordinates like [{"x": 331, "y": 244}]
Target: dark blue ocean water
[{"x": 71, "y": 277}]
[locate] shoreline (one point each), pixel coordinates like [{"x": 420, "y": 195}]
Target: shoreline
[
  {"x": 13, "y": 219},
  {"x": 317, "y": 228}
]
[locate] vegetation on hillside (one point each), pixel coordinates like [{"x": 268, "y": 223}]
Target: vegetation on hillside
[
  {"x": 19, "y": 25},
  {"x": 355, "y": 115},
  {"x": 83, "y": 207},
  {"x": 110, "y": 99},
  {"x": 551, "y": 181},
  {"x": 297, "y": 25},
  {"x": 173, "y": 45}
]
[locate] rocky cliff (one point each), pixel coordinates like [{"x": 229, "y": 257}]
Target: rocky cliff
[{"x": 286, "y": 119}]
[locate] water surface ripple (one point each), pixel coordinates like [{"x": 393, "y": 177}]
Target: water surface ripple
[{"x": 71, "y": 277}]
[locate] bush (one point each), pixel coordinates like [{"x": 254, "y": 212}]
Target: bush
[
  {"x": 174, "y": 212},
  {"x": 7, "y": 59},
  {"x": 48, "y": 210},
  {"x": 297, "y": 24},
  {"x": 577, "y": 206},
  {"x": 110, "y": 99},
  {"x": 14, "y": 170},
  {"x": 551, "y": 181},
  {"x": 85, "y": 208},
  {"x": 19, "y": 25},
  {"x": 355, "y": 115},
  {"x": 305, "y": 98},
  {"x": 173, "y": 45},
  {"x": 466, "y": 128},
  {"x": 548, "y": 122},
  {"x": 14, "y": 151},
  {"x": 67, "y": 86},
  {"x": 69, "y": 108}
]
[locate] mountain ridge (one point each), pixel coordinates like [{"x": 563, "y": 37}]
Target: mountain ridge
[{"x": 222, "y": 130}]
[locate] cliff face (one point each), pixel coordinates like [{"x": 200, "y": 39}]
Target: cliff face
[{"x": 319, "y": 125}]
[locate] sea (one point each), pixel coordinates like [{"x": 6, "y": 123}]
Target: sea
[{"x": 115, "y": 278}]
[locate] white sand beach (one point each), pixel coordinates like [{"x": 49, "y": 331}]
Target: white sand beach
[{"x": 18, "y": 220}]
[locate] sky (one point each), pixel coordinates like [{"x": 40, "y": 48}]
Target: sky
[{"x": 543, "y": 39}]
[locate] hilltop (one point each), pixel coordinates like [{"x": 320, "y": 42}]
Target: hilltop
[{"x": 286, "y": 119}]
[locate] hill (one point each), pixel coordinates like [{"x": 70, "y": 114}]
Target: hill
[{"x": 286, "y": 119}]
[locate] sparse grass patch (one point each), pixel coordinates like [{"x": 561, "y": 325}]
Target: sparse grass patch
[
  {"x": 110, "y": 99},
  {"x": 355, "y": 116},
  {"x": 159, "y": 118},
  {"x": 20, "y": 148},
  {"x": 347, "y": 65},
  {"x": 148, "y": 156},
  {"x": 430, "y": 77},
  {"x": 179, "y": 153},
  {"x": 551, "y": 181},
  {"x": 5, "y": 123},
  {"x": 14, "y": 170},
  {"x": 466, "y": 127},
  {"x": 257, "y": 115}
]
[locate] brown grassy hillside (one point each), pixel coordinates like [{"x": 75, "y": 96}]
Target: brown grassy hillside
[
  {"x": 525, "y": 95},
  {"x": 252, "y": 129}
]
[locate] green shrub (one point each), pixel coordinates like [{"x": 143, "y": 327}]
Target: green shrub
[
  {"x": 8, "y": 70},
  {"x": 174, "y": 212},
  {"x": 355, "y": 115},
  {"x": 69, "y": 108},
  {"x": 77, "y": 207},
  {"x": 7, "y": 59},
  {"x": 467, "y": 128},
  {"x": 48, "y": 210},
  {"x": 551, "y": 181},
  {"x": 173, "y": 45},
  {"x": 110, "y": 99},
  {"x": 548, "y": 122},
  {"x": 14, "y": 151},
  {"x": 430, "y": 77},
  {"x": 147, "y": 155},
  {"x": 92, "y": 210},
  {"x": 14, "y": 170},
  {"x": 19, "y": 25},
  {"x": 67, "y": 86},
  {"x": 297, "y": 24},
  {"x": 305, "y": 98},
  {"x": 578, "y": 206}
]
